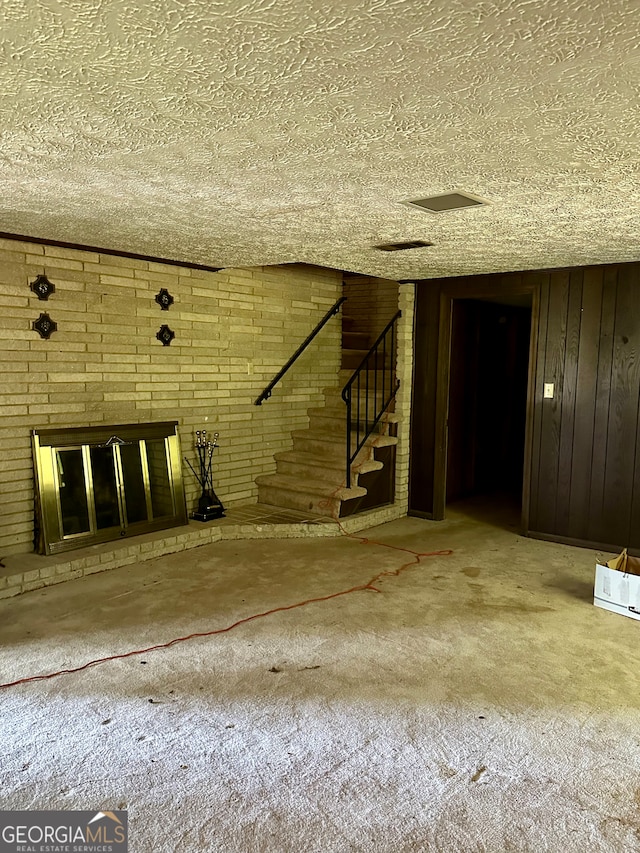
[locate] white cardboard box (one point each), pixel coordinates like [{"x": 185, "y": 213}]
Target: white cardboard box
[{"x": 617, "y": 586}]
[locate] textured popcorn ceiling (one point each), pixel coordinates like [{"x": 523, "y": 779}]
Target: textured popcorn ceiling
[{"x": 247, "y": 132}]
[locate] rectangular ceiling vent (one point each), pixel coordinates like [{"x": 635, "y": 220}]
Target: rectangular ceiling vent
[
  {"x": 401, "y": 247},
  {"x": 447, "y": 201}
]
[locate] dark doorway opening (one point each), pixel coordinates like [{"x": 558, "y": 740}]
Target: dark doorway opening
[{"x": 489, "y": 371}]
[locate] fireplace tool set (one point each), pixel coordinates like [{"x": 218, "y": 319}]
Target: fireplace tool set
[{"x": 209, "y": 505}]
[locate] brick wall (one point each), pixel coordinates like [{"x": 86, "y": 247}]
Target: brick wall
[
  {"x": 404, "y": 370},
  {"x": 234, "y": 330},
  {"x": 371, "y": 303}
]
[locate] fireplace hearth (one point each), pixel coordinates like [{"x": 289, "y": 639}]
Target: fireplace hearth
[{"x": 95, "y": 484}]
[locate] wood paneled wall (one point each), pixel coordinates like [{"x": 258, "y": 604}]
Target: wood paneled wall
[{"x": 584, "y": 485}]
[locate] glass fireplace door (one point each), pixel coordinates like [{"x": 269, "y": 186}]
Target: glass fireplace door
[
  {"x": 74, "y": 495},
  {"x": 105, "y": 488},
  {"x": 100, "y": 490}
]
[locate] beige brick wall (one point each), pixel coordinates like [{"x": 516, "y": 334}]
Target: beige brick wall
[
  {"x": 371, "y": 303},
  {"x": 234, "y": 330},
  {"x": 404, "y": 369}
]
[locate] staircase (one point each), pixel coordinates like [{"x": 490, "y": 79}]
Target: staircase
[{"x": 311, "y": 477}]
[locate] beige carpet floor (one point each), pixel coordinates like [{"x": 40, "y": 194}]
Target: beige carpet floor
[{"x": 479, "y": 702}]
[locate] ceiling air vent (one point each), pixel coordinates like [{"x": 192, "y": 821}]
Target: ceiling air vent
[
  {"x": 401, "y": 247},
  {"x": 447, "y": 201}
]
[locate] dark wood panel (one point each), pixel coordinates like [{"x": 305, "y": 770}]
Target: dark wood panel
[
  {"x": 582, "y": 543},
  {"x": 551, "y": 419},
  {"x": 536, "y": 401},
  {"x": 623, "y": 410},
  {"x": 596, "y": 527},
  {"x": 568, "y": 400},
  {"x": 538, "y": 281},
  {"x": 584, "y": 444},
  {"x": 634, "y": 519},
  {"x": 588, "y": 349}
]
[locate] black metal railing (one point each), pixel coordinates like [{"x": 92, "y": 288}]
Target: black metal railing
[
  {"x": 376, "y": 373},
  {"x": 330, "y": 313}
]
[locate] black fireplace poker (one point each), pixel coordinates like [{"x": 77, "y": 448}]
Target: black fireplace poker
[{"x": 209, "y": 504}]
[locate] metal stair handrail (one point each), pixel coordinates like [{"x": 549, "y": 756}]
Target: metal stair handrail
[
  {"x": 330, "y": 313},
  {"x": 370, "y": 364}
]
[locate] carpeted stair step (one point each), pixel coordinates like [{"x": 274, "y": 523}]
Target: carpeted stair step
[
  {"x": 308, "y": 466},
  {"x": 353, "y": 358},
  {"x": 356, "y": 340},
  {"x": 373, "y": 403},
  {"x": 332, "y": 445},
  {"x": 344, "y": 374},
  {"x": 334, "y": 420},
  {"x": 376, "y": 396},
  {"x": 311, "y": 477},
  {"x": 376, "y": 380},
  {"x": 314, "y": 496},
  {"x": 337, "y": 408}
]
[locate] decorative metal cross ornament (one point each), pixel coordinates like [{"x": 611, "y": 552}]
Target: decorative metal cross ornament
[
  {"x": 165, "y": 335},
  {"x": 164, "y": 299},
  {"x": 42, "y": 287},
  {"x": 44, "y": 326}
]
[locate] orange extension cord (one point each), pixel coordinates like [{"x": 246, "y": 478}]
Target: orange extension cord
[{"x": 370, "y": 585}]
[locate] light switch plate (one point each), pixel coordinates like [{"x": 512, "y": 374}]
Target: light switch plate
[{"x": 548, "y": 390}]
